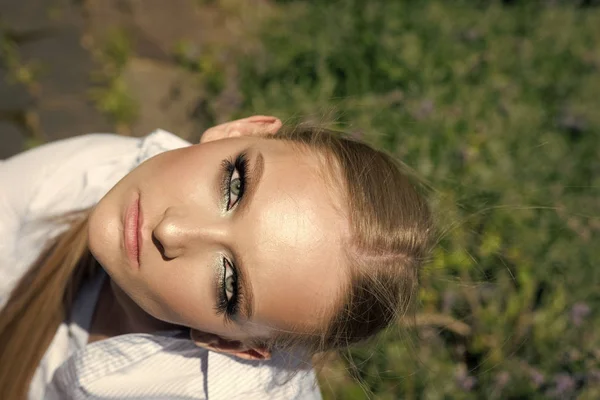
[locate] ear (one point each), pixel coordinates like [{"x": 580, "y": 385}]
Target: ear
[
  {"x": 257, "y": 125},
  {"x": 232, "y": 347}
]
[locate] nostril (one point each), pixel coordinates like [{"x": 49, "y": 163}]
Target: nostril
[{"x": 160, "y": 248}]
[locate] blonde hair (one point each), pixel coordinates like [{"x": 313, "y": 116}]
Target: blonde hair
[
  {"x": 391, "y": 229},
  {"x": 39, "y": 303}
]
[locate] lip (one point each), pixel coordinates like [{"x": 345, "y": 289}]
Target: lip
[{"x": 131, "y": 232}]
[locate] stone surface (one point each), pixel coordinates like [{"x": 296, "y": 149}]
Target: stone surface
[
  {"x": 25, "y": 16},
  {"x": 12, "y": 140},
  {"x": 103, "y": 17},
  {"x": 13, "y": 96},
  {"x": 65, "y": 116},
  {"x": 155, "y": 27},
  {"x": 62, "y": 107},
  {"x": 61, "y": 39},
  {"x": 168, "y": 98},
  {"x": 168, "y": 25},
  {"x": 64, "y": 65}
]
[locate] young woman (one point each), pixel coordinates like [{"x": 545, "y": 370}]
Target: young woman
[{"x": 261, "y": 244}]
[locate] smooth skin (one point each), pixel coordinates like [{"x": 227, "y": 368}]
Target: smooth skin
[{"x": 285, "y": 236}]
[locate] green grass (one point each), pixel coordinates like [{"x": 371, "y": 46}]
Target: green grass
[{"x": 497, "y": 107}]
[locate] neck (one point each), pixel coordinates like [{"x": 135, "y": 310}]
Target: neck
[{"x": 116, "y": 314}]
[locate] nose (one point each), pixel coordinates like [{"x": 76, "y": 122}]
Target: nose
[{"x": 181, "y": 232}]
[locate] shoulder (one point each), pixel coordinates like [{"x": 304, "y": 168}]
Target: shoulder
[
  {"x": 284, "y": 376},
  {"x": 75, "y": 173},
  {"x": 87, "y": 150},
  {"x": 54, "y": 178},
  {"x": 28, "y": 174},
  {"x": 61, "y": 151},
  {"x": 161, "y": 367}
]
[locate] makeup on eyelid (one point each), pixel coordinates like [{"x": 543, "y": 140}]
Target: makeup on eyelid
[
  {"x": 236, "y": 170},
  {"x": 240, "y": 164}
]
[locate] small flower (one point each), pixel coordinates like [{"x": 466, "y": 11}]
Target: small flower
[
  {"x": 448, "y": 300},
  {"x": 465, "y": 381},
  {"x": 579, "y": 312},
  {"x": 536, "y": 377},
  {"x": 594, "y": 376},
  {"x": 564, "y": 385},
  {"x": 502, "y": 379},
  {"x": 425, "y": 108}
]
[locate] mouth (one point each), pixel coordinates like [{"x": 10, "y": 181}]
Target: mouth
[{"x": 131, "y": 232}]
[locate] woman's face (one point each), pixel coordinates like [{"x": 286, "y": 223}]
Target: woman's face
[{"x": 237, "y": 237}]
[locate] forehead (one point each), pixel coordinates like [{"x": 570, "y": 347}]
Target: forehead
[{"x": 294, "y": 238}]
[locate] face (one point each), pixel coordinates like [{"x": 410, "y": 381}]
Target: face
[{"x": 236, "y": 237}]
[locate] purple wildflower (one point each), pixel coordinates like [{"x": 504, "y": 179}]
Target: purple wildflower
[
  {"x": 564, "y": 385},
  {"x": 502, "y": 379},
  {"x": 579, "y": 312},
  {"x": 465, "y": 381},
  {"x": 536, "y": 377},
  {"x": 594, "y": 376},
  {"x": 448, "y": 300}
]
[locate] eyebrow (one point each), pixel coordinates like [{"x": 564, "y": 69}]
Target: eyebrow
[{"x": 252, "y": 183}]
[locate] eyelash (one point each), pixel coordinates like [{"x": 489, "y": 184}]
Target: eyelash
[
  {"x": 240, "y": 164},
  {"x": 229, "y": 308}
]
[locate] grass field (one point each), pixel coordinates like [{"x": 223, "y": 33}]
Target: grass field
[{"x": 497, "y": 107}]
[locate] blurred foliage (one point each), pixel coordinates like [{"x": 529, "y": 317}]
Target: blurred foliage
[
  {"x": 206, "y": 64},
  {"x": 496, "y": 105},
  {"x": 111, "y": 94},
  {"x": 25, "y": 73}
]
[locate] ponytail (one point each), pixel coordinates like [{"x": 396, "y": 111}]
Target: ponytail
[{"x": 39, "y": 303}]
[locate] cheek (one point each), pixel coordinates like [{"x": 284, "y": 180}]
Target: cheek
[
  {"x": 182, "y": 292},
  {"x": 181, "y": 176}
]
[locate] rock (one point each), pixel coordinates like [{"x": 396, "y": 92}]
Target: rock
[
  {"x": 167, "y": 97},
  {"x": 25, "y": 16},
  {"x": 66, "y": 116},
  {"x": 48, "y": 35},
  {"x": 13, "y": 95},
  {"x": 63, "y": 107},
  {"x": 64, "y": 65},
  {"x": 155, "y": 27},
  {"x": 166, "y": 26},
  {"x": 104, "y": 17},
  {"x": 12, "y": 140}
]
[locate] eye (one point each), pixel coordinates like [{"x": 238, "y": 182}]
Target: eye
[
  {"x": 235, "y": 188},
  {"x": 234, "y": 180},
  {"x": 230, "y": 281},
  {"x": 228, "y": 291}
]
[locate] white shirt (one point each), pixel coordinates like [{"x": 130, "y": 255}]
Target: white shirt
[{"x": 75, "y": 174}]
